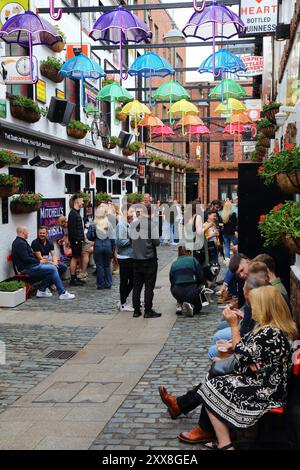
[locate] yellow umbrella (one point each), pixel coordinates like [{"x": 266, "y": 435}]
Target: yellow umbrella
[
  {"x": 183, "y": 108},
  {"x": 135, "y": 108},
  {"x": 231, "y": 106}
]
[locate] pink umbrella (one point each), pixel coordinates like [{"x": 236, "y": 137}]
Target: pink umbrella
[
  {"x": 162, "y": 131},
  {"x": 234, "y": 129},
  {"x": 198, "y": 130}
]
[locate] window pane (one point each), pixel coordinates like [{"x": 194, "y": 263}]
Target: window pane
[
  {"x": 116, "y": 187},
  {"x": 227, "y": 151},
  {"x": 101, "y": 185},
  {"x": 28, "y": 178},
  {"x": 72, "y": 183}
]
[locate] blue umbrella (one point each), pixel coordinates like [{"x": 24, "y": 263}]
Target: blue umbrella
[
  {"x": 150, "y": 65},
  {"x": 81, "y": 67},
  {"x": 222, "y": 61}
]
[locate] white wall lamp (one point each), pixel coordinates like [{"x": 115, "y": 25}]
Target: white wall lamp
[{"x": 280, "y": 118}]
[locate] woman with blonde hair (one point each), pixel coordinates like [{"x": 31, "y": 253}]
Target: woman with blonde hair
[
  {"x": 230, "y": 222},
  {"x": 103, "y": 234},
  {"x": 259, "y": 381}
]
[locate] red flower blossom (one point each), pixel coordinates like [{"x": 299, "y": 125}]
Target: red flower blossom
[
  {"x": 262, "y": 218},
  {"x": 288, "y": 146},
  {"x": 276, "y": 208},
  {"x": 261, "y": 168}
]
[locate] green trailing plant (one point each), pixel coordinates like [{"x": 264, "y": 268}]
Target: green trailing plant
[
  {"x": 85, "y": 196},
  {"x": 285, "y": 161},
  {"x": 25, "y": 102},
  {"x": 135, "y": 146},
  {"x": 29, "y": 199},
  {"x": 115, "y": 140},
  {"x": 102, "y": 197},
  {"x": 271, "y": 105},
  {"x": 7, "y": 157},
  {"x": 134, "y": 198},
  {"x": 11, "y": 286},
  {"x": 73, "y": 124},
  {"x": 53, "y": 62},
  {"x": 9, "y": 180},
  {"x": 191, "y": 168},
  {"x": 232, "y": 167},
  {"x": 61, "y": 33},
  {"x": 263, "y": 123},
  {"x": 216, "y": 168},
  {"x": 282, "y": 221}
]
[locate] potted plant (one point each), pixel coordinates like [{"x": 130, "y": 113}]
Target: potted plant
[
  {"x": 216, "y": 168},
  {"x": 9, "y": 185},
  {"x": 60, "y": 45},
  {"x": 232, "y": 167},
  {"x": 12, "y": 293},
  {"x": 283, "y": 168},
  {"x": 7, "y": 157},
  {"x": 77, "y": 129},
  {"x": 119, "y": 115},
  {"x": 101, "y": 197},
  {"x": 266, "y": 127},
  {"x": 112, "y": 142},
  {"x": 133, "y": 148},
  {"x": 50, "y": 68},
  {"x": 191, "y": 168},
  {"x": 270, "y": 110},
  {"x": 263, "y": 140},
  {"x": 25, "y": 109},
  {"x": 134, "y": 198},
  {"x": 86, "y": 198},
  {"x": 282, "y": 224},
  {"x": 25, "y": 203}
]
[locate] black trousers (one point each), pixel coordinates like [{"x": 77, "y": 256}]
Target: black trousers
[
  {"x": 189, "y": 402},
  {"x": 126, "y": 278},
  {"x": 188, "y": 293},
  {"x": 144, "y": 273}
]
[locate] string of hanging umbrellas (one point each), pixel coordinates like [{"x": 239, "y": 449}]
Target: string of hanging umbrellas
[{"x": 120, "y": 26}]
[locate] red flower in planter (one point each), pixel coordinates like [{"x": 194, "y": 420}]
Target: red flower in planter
[
  {"x": 262, "y": 218},
  {"x": 288, "y": 146},
  {"x": 276, "y": 208},
  {"x": 261, "y": 168}
]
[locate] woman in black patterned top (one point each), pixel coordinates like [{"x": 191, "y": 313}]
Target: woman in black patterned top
[{"x": 259, "y": 381}]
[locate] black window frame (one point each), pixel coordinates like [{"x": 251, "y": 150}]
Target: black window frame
[
  {"x": 71, "y": 187},
  {"x": 28, "y": 177}
]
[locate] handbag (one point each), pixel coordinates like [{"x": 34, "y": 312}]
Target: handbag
[{"x": 222, "y": 367}]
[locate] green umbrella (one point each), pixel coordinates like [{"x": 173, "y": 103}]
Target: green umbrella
[
  {"x": 228, "y": 89},
  {"x": 171, "y": 91},
  {"x": 114, "y": 93}
]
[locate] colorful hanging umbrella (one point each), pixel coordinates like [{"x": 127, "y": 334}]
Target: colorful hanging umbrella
[
  {"x": 182, "y": 108},
  {"x": 229, "y": 89},
  {"x": 190, "y": 120},
  {"x": 150, "y": 65},
  {"x": 28, "y": 29},
  {"x": 120, "y": 26},
  {"x": 215, "y": 21},
  {"x": 232, "y": 106},
  {"x": 113, "y": 93},
  {"x": 135, "y": 109},
  {"x": 234, "y": 129},
  {"x": 222, "y": 61},
  {"x": 150, "y": 121},
  {"x": 55, "y": 16},
  {"x": 171, "y": 91},
  {"x": 162, "y": 131},
  {"x": 241, "y": 118},
  {"x": 197, "y": 130},
  {"x": 80, "y": 67}
]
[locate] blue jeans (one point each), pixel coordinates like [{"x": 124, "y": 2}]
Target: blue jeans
[
  {"x": 61, "y": 268},
  {"x": 48, "y": 274},
  {"x": 102, "y": 256},
  {"x": 225, "y": 333},
  {"x": 231, "y": 281},
  {"x": 227, "y": 239}
]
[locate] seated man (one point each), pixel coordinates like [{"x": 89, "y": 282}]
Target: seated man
[
  {"x": 27, "y": 263},
  {"x": 44, "y": 249},
  {"x": 186, "y": 277}
]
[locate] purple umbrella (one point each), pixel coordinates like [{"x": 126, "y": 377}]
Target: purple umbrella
[
  {"x": 120, "y": 26},
  {"x": 55, "y": 16},
  {"x": 28, "y": 29},
  {"x": 215, "y": 21}
]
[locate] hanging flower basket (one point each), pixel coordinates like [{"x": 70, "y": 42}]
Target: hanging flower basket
[
  {"x": 128, "y": 152},
  {"x": 58, "y": 46},
  {"x": 270, "y": 110},
  {"x": 119, "y": 115},
  {"x": 77, "y": 129},
  {"x": 269, "y": 132},
  {"x": 289, "y": 182},
  {"x": 25, "y": 114},
  {"x": 7, "y": 157},
  {"x": 25, "y": 203},
  {"x": 293, "y": 244},
  {"x": 7, "y": 191},
  {"x": 51, "y": 72},
  {"x": 101, "y": 198}
]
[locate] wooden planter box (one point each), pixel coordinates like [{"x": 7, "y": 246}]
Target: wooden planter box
[
  {"x": 289, "y": 182},
  {"x": 58, "y": 46},
  {"x": 7, "y": 191},
  {"x": 293, "y": 244},
  {"x": 51, "y": 72},
  {"x": 25, "y": 114},
  {"x": 76, "y": 133},
  {"x": 12, "y": 299},
  {"x": 20, "y": 208}
]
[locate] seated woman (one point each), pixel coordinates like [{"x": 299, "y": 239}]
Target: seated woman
[{"x": 259, "y": 381}]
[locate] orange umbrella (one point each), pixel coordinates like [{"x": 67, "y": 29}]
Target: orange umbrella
[
  {"x": 241, "y": 118},
  {"x": 189, "y": 120},
  {"x": 150, "y": 121}
]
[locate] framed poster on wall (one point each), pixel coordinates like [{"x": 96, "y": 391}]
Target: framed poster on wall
[{"x": 48, "y": 213}]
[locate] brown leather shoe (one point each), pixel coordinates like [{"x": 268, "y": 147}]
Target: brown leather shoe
[
  {"x": 170, "y": 401},
  {"x": 195, "y": 435}
]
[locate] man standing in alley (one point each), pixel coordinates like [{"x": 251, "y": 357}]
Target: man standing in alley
[
  {"x": 144, "y": 235},
  {"x": 76, "y": 236}
]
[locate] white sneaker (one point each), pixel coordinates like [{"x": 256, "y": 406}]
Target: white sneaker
[
  {"x": 126, "y": 308},
  {"x": 188, "y": 309},
  {"x": 119, "y": 305},
  {"x": 41, "y": 293},
  {"x": 178, "y": 309},
  {"x": 66, "y": 296}
]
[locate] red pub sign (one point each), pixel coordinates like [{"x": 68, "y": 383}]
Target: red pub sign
[{"x": 259, "y": 16}]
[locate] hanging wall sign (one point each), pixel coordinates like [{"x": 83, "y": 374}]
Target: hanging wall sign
[
  {"x": 41, "y": 91},
  {"x": 16, "y": 70},
  {"x": 9, "y": 9},
  {"x": 259, "y": 16},
  {"x": 254, "y": 64}
]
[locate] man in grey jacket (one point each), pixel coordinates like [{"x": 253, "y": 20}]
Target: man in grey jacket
[{"x": 144, "y": 236}]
